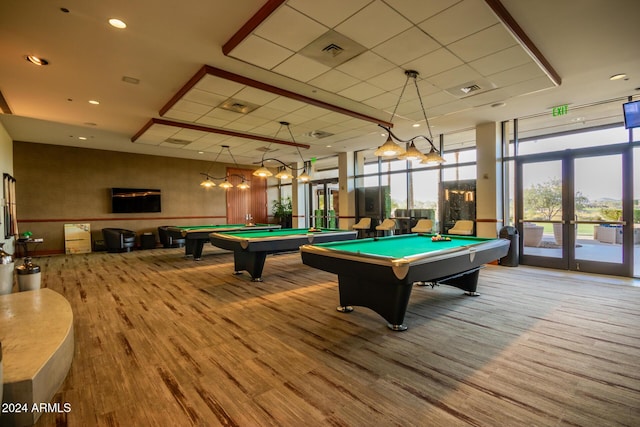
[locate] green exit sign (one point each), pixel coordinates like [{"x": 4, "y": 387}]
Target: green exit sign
[{"x": 560, "y": 110}]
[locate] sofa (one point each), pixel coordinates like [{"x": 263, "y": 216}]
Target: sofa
[{"x": 119, "y": 239}]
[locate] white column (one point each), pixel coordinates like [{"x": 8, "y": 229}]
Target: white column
[
  {"x": 347, "y": 187},
  {"x": 489, "y": 180}
]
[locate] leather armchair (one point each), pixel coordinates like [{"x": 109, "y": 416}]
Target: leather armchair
[
  {"x": 168, "y": 240},
  {"x": 119, "y": 239}
]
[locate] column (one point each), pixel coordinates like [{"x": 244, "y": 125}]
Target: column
[{"x": 489, "y": 212}]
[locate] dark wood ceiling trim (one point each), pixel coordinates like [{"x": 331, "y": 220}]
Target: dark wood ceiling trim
[
  {"x": 517, "y": 31},
  {"x": 227, "y": 75},
  {"x": 269, "y": 7},
  {"x": 193, "y": 126},
  {"x": 4, "y": 106},
  {"x": 184, "y": 89}
]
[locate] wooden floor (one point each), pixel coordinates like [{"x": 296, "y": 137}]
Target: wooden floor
[{"x": 165, "y": 341}]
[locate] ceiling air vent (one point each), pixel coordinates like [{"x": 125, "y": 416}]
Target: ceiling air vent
[
  {"x": 469, "y": 89},
  {"x": 318, "y": 134},
  {"x": 177, "y": 141},
  {"x": 332, "y": 49},
  {"x": 238, "y": 106}
]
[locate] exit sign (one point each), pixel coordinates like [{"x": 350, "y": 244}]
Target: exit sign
[{"x": 560, "y": 110}]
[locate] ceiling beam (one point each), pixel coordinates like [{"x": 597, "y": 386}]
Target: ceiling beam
[
  {"x": 516, "y": 31},
  {"x": 193, "y": 126},
  {"x": 267, "y": 9},
  {"x": 227, "y": 75}
]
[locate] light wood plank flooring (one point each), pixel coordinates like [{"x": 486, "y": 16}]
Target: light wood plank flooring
[{"x": 165, "y": 341}]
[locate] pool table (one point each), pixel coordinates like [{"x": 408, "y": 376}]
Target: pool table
[
  {"x": 197, "y": 235},
  {"x": 250, "y": 248},
  {"x": 380, "y": 273}
]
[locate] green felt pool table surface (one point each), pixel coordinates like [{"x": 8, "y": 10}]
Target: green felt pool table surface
[{"x": 408, "y": 245}]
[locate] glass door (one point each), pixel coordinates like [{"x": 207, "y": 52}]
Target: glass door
[
  {"x": 541, "y": 212},
  {"x": 597, "y": 222},
  {"x": 570, "y": 213},
  {"x": 325, "y": 204}
]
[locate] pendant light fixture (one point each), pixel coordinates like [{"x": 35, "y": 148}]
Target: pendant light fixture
[{"x": 392, "y": 149}]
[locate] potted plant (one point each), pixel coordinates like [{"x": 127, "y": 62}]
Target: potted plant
[{"x": 283, "y": 212}]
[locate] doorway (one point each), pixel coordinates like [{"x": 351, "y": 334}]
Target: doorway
[
  {"x": 325, "y": 205},
  {"x": 570, "y": 212}
]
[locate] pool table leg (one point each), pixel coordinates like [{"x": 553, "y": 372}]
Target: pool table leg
[
  {"x": 188, "y": 247},
  {"x": 467, "y": 281},
  {"x": 253, "y": 262},
  {"x": 198, "y": 245},
  {"x": 389, "y": 300}
]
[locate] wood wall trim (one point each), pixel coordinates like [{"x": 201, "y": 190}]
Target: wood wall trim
[
  {"x": 514, "y": 28},
  {"x": 258, "y": 18},
  {"x": 491, "y": 220},
  {"x": 81, "y": 220}
]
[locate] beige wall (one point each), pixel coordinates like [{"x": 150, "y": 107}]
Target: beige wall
[{"x": 57, "y": 185}]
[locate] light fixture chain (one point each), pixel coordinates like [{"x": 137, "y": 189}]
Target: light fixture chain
[
  {"x": 424, "y": 113},
  {"x": 399, "y": 99}
]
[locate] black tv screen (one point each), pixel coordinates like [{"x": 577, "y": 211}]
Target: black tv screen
[
  {"x": 631, "y": 114},
  {"x": 134, "y": 200}
]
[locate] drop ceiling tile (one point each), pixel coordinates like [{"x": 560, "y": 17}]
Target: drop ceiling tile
[
  {"x": 258, "y": 51},
  {"x": 336, "y": 118},
  {"x": 216, "y": 85},
  {"x": 530, "y": 86},
  {"x": 434, "y": 63},
  {"x": 406, "y": 46},
  {"x": 389, "y": 80},
  {"x": 254, "y": 96},
  {"x": 199, "y": 145},
  {"x": 251, "y": 120},
  {"x": 333, "y": 81},
  {"x": 486, "y": 98},
  {"x": 366, "y": 65},
  {"x": 512, "y": 57},
  {"x": 459, "y": 21},
  {"x": 515, "y": 75},
  {"x": 212, "y": 122},
  {"x": 188, "y": 134},
  {"x": 239, "y": 126},
  {"x": 385, "y": 101},
  {"x": 300, "y": 68},
  {"x": 483, "y": 43},
  {"x": 374, "y": 24},
  {"x": 289, "y": 28},
  {"x": 204, "y": 97},
  {"x": 328, "y": 12},
  {"x": 312, "y": 112},
  {"x": 361, "y": 91},
  {"x": 268, "y": 113},
  {"x": 185, "y": 106},
  {"x": 284, "y": 104},
  {"x": 222, "y": 114},
  {"x": 454, "y": 77},
  {"x": 181, "y": 115},
  {"x": 418, "y": 10}
]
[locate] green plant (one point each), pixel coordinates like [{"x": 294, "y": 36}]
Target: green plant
[{"x": 282, "y": 208}]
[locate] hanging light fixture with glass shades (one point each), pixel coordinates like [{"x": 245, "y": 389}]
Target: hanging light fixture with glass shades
[
  {"x": 208, "y": 181},
  {"x": 392, "y": 149},
  {"x": 263, "y": 172}
]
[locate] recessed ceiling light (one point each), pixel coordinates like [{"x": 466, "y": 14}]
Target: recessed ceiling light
[
  {"x": 498, "y": 104},
  {"x": 36, "y": 60},
  {"x": 416, "y": 125},
  {"x": 94, "y": 102},
  {"x": 83, "y": 138},
  {"x": 114, "y": 22},
  {"x": 618, "y": 76}
]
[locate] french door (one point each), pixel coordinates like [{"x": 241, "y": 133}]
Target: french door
[
  {"x": 570, "y": 211},
  {"x": 325, "y": 203}
]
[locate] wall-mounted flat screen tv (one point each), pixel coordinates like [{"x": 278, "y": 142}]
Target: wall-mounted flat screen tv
[
  {"x": 135, "y": 200},
  {"x": 631, "y": 114}
]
